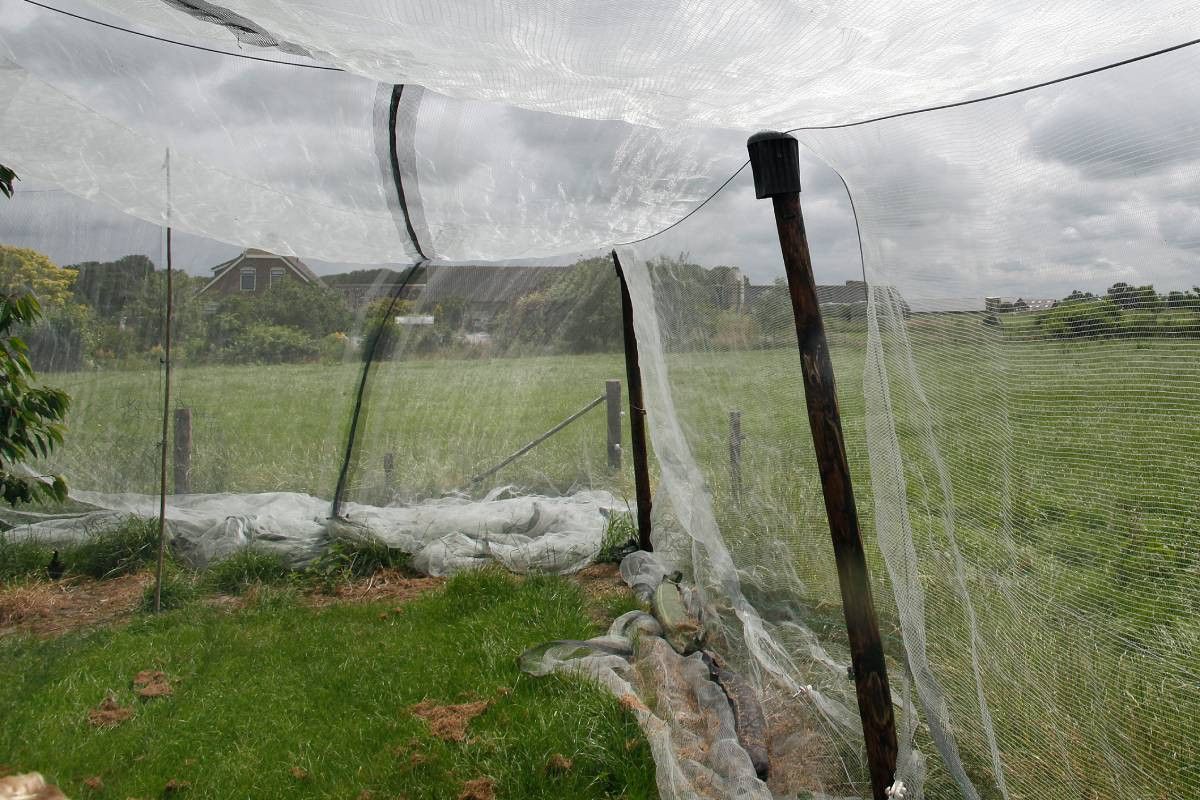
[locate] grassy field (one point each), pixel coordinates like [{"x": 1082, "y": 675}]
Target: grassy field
[
  {"x": 279, "y": 699},
  {"x": 1051, "y": 483}
]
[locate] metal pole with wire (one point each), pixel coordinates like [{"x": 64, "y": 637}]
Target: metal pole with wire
[{"x": 166, "y": 417}]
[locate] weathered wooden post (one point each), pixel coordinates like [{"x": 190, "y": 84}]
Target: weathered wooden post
[
  {"x": 735, "y": 454},
  {"x": 775, "y": 161},
  {"x": 612, "y": 396},
  {"x": 637, "y": 413},
  {"x": 182, "y": 452}
]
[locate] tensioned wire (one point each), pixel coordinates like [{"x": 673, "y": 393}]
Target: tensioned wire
[{"x": 727, "y": 181}]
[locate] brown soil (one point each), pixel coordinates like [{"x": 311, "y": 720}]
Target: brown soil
[
  {"x": 601, "y": 583},
  {"x": 449, "y": 722},
  {"x": 479, "y": 789},
  {"x": 95, "y": 783},
  {"x": 387, "y": 584},
  {"x": 55, "y": 607},
  {"x": 52, "y": 608},
  {"x": 151, "y": 683},
  {"x": 109, "y": 713}
]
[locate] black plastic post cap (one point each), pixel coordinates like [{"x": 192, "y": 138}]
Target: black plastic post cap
[{"x": 775, "y": 161}]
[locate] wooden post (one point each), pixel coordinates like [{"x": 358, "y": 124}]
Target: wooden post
[
  {"x": 612, "y": 394},
  {"x": 183, "y": 451},
  {"x": 637, "y": 414},
  {"x": 735, "y": 454},
  {"x": 775, "y": 161}
]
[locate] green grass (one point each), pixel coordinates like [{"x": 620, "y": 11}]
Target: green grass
[
  {"x": 1065, "y": 469},
  {"x": 247, "y": 568},
  {"x": 284, "y": 427},
  {"x": 104, "y": 553},
  {"x": 279, "y": 685}
]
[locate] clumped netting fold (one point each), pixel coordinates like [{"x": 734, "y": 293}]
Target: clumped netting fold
[{"x": 1009, "y": 289}]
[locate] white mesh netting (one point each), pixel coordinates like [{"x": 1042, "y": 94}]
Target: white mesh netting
[{"x": 1009, "y": 289}]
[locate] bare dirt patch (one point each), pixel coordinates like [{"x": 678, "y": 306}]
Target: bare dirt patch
[
  {"x": 387, "y": 584},
  {"x": 479, "y": 789},
  {"x": 151, "y": 683},
  {"x": 109, "y": 713},
  {"x": 51, "y": 608},
  {"x": 601, "y": 583},
  {"x": 449, "y": 722}
]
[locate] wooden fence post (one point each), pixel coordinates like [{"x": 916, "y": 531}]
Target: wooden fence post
[
  {"x": 735, "y": 454},
  {"x": 612, "y": 395},
  {"x": 182, "y": 451},
  {"x": 637, "y": 413},
  {"x": 775, "y": 162}
]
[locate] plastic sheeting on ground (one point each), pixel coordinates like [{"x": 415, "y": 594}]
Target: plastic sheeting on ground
[{"x": 523, "y": 533}]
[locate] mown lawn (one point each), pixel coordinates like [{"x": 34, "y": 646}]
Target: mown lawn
[{"x": 283, "y": 700}]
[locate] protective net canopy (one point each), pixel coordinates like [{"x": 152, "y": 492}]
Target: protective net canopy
[{"x": 392, "y": 229}]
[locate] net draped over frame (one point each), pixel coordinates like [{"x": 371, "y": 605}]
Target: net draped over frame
[{"x": 1024, "y": 454}]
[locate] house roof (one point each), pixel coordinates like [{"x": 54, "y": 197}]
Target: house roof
[
  {"x": 298, "y": 267},
  {"x": 486, "y": 284},
  {"x": 838, "y": 293}
]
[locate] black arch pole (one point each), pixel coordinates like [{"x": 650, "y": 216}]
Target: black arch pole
[
  {"x": 376, "y": 336},
  {"x": 637, "y": 413},
  {"x": 775, "y": 160}
]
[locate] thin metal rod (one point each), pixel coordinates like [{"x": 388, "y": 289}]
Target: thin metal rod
[
  {"x": 637, "y": 413},
  {"x": 540, "y": 439},
  {"x": 862, "y": 626},
  {"x": 166, "y": 418}
]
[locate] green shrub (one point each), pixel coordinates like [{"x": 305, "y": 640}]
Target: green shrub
[
  {"x": 118, "y": 551},
  {"x": 271, "y": 344},
  {"x": 245, "y": 568}
]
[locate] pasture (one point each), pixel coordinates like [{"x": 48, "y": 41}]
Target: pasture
[{"x": 1049, "y": 483}]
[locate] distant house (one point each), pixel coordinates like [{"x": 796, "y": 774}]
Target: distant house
[
  {"x": 1001, "y": 305},
  {"x": 843, "y": 300},
  {"x": 359, "y": 295},
  {"x": 485, "y": 291},
  {"x": 255, "y": 272}
]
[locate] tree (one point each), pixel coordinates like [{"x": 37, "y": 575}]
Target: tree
[
  {"x": 110, "y": 285},
  {"x": 30, "y": 416},
  {"x": 579, "y": 312},
  {"x": 23, "y": 268}
]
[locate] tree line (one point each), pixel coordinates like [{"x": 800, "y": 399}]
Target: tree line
[
  {"x": 111, "y": 314},
  {"x": 1123, "y": 310}
]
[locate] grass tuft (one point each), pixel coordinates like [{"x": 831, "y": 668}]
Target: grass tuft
[
  {"x": 347, "y": 559},
  {"x": 179, "y": 590},
  {"x": 620, "y": 539},
  {"x": 247, "y": 568},
  {"x": 117, "y": 551}
]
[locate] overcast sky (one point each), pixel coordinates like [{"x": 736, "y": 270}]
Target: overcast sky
[{"x": 1074, "y": 186}]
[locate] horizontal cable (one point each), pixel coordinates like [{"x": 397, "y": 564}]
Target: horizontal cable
[{"x": 177, "y": 43}]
